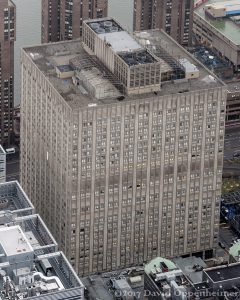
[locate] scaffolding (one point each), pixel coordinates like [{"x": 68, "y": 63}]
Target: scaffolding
[
  {"x": 171, "y": 69},
  {"x": 86, "y": 62}
]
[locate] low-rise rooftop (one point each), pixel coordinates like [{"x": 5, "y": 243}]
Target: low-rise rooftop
[
  {"x": 13, "y": 198},
  {"x": 235, "y": 251},
  {"x": 233, "y": 87},
  {"x": 13, "y": 241},
  {"x": 192, "y": 267},
  {"x": 156, "y": 263},
  {"x": 30, "y": 265},
  {"x": 34, "y": 229},
  {"x": 224, "y": 273},
  {"x": 110, "y": 285},
  {"x": 47, "y": 57},
  {"x": 225, "y": 26}
]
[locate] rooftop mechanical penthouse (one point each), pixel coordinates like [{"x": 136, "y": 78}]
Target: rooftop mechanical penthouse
[
  {"x": 122, "y": 146},
  {"x": 137, "y": 69}
]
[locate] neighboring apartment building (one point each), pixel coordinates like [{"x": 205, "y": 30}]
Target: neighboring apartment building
[
  {"x": 16, "y": 125},
  {"x": 2, "y": 165},
  {"x": 221, "y": 33},
  {"x": 62, "y": 20},
  {"x": 173, "y": 16},
  {"x": 233, "y": 104},
  {"x": 31, "y": 265},
  {"x": 7, "y": 38},
  {"x": 127, "y": 163}
]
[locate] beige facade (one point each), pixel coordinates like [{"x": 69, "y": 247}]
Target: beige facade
[
  {"x": 173, "y": 16},
  {"x": 7, "y": 38},
  {"x": 121, "y": 182}
]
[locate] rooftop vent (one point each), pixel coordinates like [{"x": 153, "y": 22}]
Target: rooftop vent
[
  {"x": 62, "y": 53},
  {"x": 35, "y": 56},
  {"x": 3, "y": 202}
]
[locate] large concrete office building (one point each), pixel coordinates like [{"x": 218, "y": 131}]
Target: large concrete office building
[
  {"x": 173, "y": 16},
  {"x": 62, "y": 20},
  {"x": 220, "y": 32},
  {"x": 7, "y": 38},
  {"x": 122, "y": 146},
  {"x": 31, "y": 265}
]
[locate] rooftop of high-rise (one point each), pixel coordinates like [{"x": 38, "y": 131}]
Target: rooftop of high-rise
[{"x": 84, "y": 80}]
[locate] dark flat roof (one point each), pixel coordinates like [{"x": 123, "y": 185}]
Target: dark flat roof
[{"x": 224, "y": 272}]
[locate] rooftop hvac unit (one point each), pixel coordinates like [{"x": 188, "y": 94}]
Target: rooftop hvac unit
[
  {"x": 135, "y": 279},
  {"x": 100, "y": 30},
  {"x": 94, "y": 26},
  {"x": 113, "y": 29},
  {"x": 141, "y": 58},
  {"x": 108, "y": 24},
  {"x": 3, "y": 202}
]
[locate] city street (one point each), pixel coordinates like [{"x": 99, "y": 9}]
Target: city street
[
  {"x": 232, "y": 142},
  {"x": 226, "y": 235},
  {"x": 13, "y": 167}
]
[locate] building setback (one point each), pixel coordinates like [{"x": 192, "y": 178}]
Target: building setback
[
  {"x": 122, "y": 147},
  {"x": 62, "y": 20},
  {"x": 7, "y": 38},
  {"x": 173, "y": 16}
]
